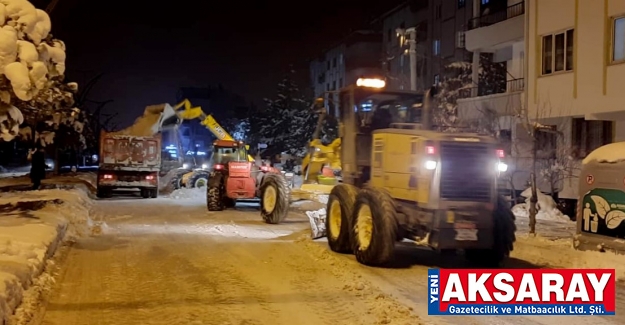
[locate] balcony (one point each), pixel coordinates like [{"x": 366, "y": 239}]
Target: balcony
[
  {"x": 503, "y": 101},
  {"x": 496, "y": 30},
  {"x": 512, "y": 11},
  {"x": 514, "y": 85}
]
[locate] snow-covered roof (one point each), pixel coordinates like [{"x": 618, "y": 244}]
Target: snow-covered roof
[{"x": 610, "y": 153}]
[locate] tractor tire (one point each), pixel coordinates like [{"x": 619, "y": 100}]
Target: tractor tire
[
  {"x": 374, "y": 230},
  {"x": 504, "y": 229},
  {"x": 103, "y": 193},
  {"x": 176, "y": 181},
  {"x": 274, "y": 198},
  {"x": 214, "y": 199},
  {"x": 338, "y": 219},
  {"x": 199, "y": 179}
]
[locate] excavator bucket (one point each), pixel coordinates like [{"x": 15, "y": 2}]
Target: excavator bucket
[{"x": 152, "y": 121}]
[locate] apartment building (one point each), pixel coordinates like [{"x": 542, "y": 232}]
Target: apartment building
[
  {"x": 577, "y": 72},
  {"x": 440, "y": 34},
  {"x": 353, "y": 57},
  {"x": 497, "y": 28}
]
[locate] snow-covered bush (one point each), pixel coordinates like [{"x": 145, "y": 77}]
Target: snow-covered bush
[{"x": 32, "y": 67}]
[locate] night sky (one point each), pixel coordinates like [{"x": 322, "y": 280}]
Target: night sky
[{"x": 149, "y": 49}]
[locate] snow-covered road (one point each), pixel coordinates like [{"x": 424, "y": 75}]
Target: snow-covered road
[{"x": 169, "y": 261}]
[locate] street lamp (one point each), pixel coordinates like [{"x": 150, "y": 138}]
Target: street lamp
[{"x": 412, "y": 50}]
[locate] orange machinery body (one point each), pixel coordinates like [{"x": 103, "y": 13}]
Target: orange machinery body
[
  {"x": 243, "y": 178},
  {"x": 240, "y": 184}
]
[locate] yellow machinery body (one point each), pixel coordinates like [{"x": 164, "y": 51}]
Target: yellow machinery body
[{"x": 396, "y": 166}]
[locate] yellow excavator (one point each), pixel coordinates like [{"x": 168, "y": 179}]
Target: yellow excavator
[{"x": 186, "y": 111}]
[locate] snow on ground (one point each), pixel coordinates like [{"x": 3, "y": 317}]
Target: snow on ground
[
  {"x": 90, "y": 179},
  {"x": 32, "y": 224},
  {"x": 561, "y": 254},
  {"x": 547, "y": 208},
  {"x": 188, "y": 194}
]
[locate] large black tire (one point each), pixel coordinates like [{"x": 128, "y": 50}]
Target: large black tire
[
  {"x": 338, "y": 219},
  {"x": 145, "y": 193},
  {"x": 504, "y": 229},
  {"x": 215, "y": 199},
  {"x": 198, "y": 179},
  {"x": 274, "y": 198},
  {"x": 383, "y": 222},
  {"x": 153, "y": 193},
  {"x": 176, "y": 181}
]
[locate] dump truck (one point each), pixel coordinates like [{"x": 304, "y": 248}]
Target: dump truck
[
  {"x": 129, "y": 162},
  {"x": 133, "y": 157},
  {"x": 404, "y": 179}
]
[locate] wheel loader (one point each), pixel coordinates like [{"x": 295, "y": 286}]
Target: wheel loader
[
  {"x": 235, "y": 178},
  {"x": 402, "y": 179}
]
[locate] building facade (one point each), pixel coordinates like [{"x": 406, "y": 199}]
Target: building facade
[
  {"x": 577, "y": 72},
  {"x": 440, "y": 40},
  {"x": 356, "y": 56}
]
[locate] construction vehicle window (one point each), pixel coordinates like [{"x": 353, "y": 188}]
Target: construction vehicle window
[{"x": 225, "y": 155}]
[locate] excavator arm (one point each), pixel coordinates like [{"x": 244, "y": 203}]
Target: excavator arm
[
  {"x": 318, "y": 154},
  {"x": 186, "y": 111}
]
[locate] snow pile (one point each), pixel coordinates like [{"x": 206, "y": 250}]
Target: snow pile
[
  {"x": 317, "y": 223},
  {"x": 610, "y": 153},
  {"x": 149, "y": 123},
  {"x": 561, "y": 254},
  {"x": 234, "y": 230},
  {"x": 188, "y": 194},
  {"x": 31, "y": 227},
  {"x": 546, "y": 206}
]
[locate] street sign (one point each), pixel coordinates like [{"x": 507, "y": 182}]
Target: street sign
[
  {"x": 262, "y": 146},
  {"x": 590, "y": 179}
]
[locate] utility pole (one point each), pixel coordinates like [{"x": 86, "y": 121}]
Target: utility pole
[{"x": 410, "y": 36}]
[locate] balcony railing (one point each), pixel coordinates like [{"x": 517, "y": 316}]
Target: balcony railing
[
  {"x": 510, "y": 86},
  {"x": 498, "y": 16}
]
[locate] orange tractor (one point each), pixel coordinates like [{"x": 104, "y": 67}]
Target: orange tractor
[{"x": 234, "y": 178}]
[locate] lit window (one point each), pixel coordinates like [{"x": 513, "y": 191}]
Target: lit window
[
  {"x": 557, "y": 52},
  {"x": 437, "y": 47},
  {"x": 618, "y": 39}
]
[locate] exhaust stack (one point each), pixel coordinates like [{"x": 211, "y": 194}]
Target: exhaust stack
[{"x": 426, "y": 110}]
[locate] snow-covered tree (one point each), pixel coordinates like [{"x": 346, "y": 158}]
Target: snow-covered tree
[
  {"x": 32, "y": 68},
  {"x": 457, "y": 83},
  {"x": 329, "y": 129},
  {"x": 549, "y": 155},
  {"x": 287, "y": 122}
]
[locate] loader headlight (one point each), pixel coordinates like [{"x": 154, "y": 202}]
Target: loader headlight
[
  {"x": 185, "y": 166},
  {"x": 288, "y": 174},
  {"x": 430, "y": 165},
  {"x": 502, "y": 167},
  {"x": 204, "y": 166}
]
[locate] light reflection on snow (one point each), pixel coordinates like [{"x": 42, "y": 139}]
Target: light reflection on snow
[{"x": 222, "y": 230}]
